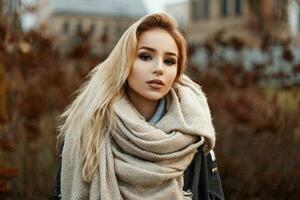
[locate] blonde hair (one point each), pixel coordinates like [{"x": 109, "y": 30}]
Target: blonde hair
[{"x": 90, "y": 117}]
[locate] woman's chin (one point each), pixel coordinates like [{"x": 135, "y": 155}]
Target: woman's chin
[{"x": 153, "y": 96}]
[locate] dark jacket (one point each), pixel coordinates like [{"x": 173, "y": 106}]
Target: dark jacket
[{"x": 201, "y": 178}]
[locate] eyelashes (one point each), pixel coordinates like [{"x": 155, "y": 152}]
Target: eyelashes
[
  {"x": 170, "y": 62},
  {"x": 145, "y": 57}
]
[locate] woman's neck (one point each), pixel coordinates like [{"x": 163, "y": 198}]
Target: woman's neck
[{"x": 144, "y": 106}]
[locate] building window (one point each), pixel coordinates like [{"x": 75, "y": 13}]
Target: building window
[
  {"x": 282, "y": 7},
  {"x": 200, "y": 9},
  {"x": 194, "y": 9},
  {"x": 223, "y": 8},
  {"x": 65, "y": 27},
  {"x": 238, "y": 7},
  {"x": 206, "y": 7},
  {"x": 79, "y": 27},
  {"x": 10, "y": 5}
]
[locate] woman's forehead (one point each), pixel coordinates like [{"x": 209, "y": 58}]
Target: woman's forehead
[{"x": 159, "y": 40}]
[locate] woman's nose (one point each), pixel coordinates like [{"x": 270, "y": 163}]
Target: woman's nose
[{"x": 158, "y": 68}]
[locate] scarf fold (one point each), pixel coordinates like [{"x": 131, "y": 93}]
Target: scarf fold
[{"x": 147, "y": 161}]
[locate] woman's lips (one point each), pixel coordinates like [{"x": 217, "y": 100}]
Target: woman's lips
[{"x": 155, "y": 85}]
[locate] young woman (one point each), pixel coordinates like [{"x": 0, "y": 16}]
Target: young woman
[{"x": 139, "y": 128}]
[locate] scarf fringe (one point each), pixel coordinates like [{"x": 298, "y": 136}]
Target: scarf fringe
[{"x": 187, "y": 195}]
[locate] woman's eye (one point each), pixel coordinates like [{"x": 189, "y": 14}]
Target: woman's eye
[
  {"x": 145, "y": 57},
  {"x": 170, "y": 62}
]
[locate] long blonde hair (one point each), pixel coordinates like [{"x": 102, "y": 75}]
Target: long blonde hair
[{"x": 90, "y": 117}]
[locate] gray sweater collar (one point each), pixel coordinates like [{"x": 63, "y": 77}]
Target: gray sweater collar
[{"x": 160, "y": 111}]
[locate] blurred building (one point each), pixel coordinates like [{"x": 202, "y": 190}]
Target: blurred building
[
  {"x": 245, "y": 19},
  {"x": 180, "y": 11},
  {"x": 211, "y": 16},
  {"x": 102, "y": 22}
]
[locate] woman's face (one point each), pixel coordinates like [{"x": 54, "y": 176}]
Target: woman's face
[{"x": 156, "y": 60}]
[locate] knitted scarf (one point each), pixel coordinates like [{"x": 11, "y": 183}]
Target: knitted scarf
[{"x": 145, "y": 161}]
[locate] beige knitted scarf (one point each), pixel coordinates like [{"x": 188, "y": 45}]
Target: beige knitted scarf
[{"x": 143, "y": 161}]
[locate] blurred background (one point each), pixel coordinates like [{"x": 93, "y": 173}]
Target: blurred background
[{"x": 244, "y": 53}]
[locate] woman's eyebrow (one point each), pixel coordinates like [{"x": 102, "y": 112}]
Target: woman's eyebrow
[{"x": 153, "y": 50}]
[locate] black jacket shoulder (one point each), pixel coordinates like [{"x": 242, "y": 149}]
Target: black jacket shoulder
[{"x": 202, "y": 177}]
